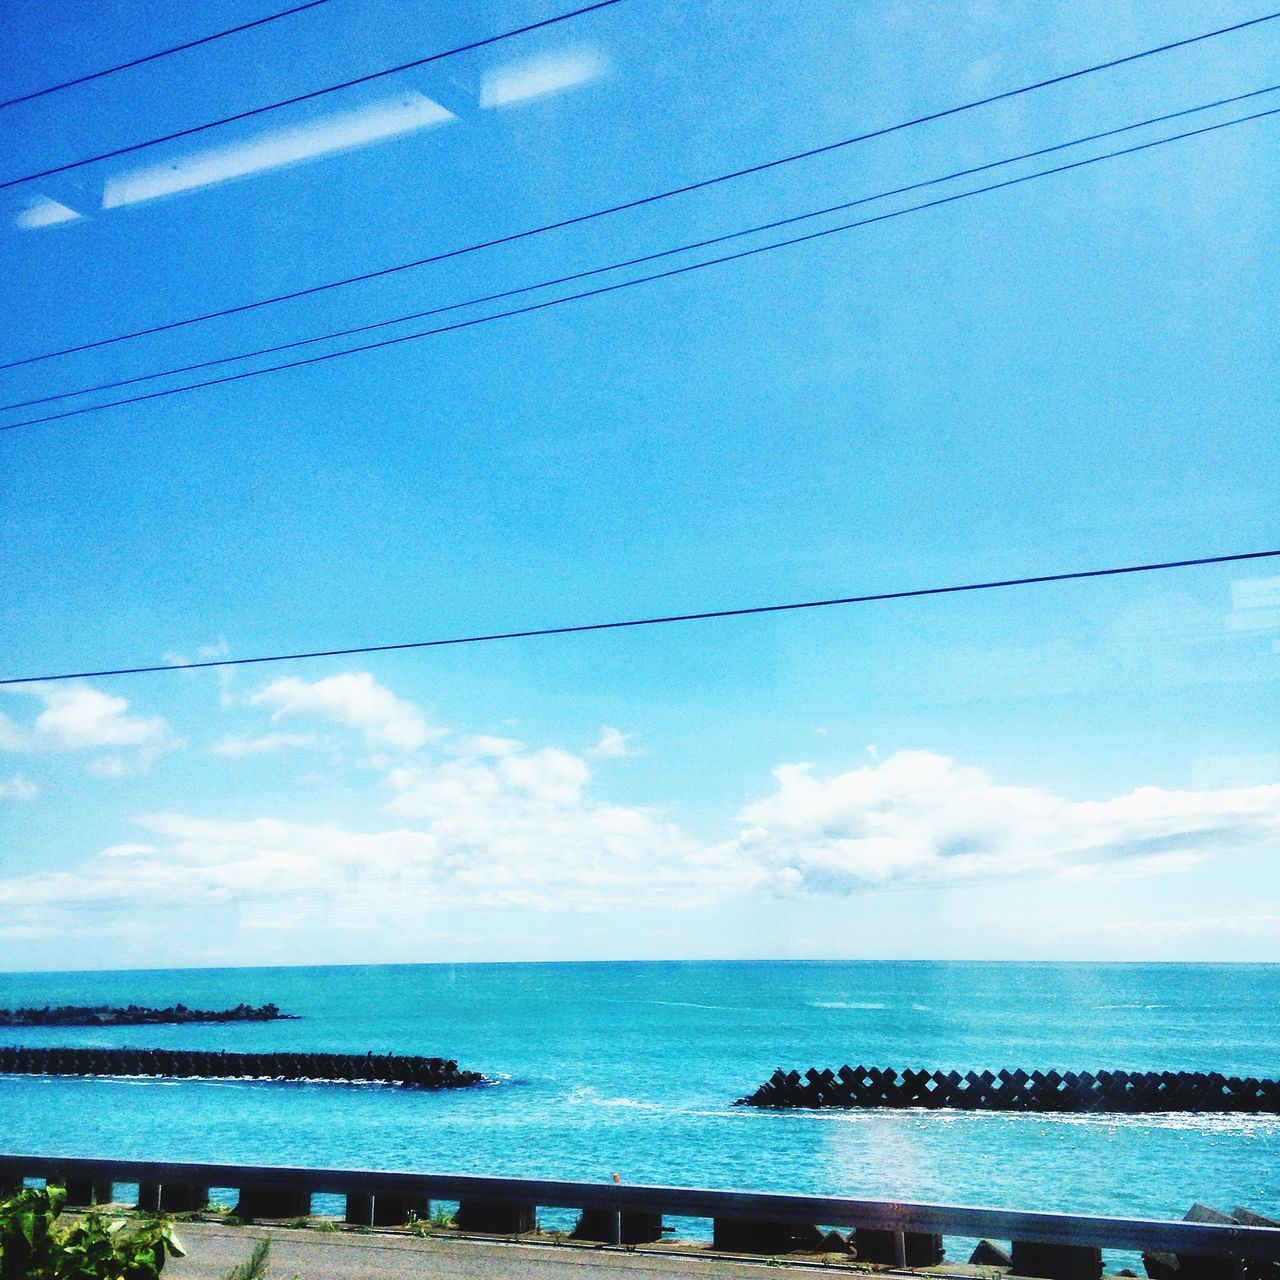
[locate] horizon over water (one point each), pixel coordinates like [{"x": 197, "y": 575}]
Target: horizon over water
[{"x": 633, "y": 1067}]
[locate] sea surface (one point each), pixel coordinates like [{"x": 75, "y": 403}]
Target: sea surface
[{"x": 633, "y": 1068}]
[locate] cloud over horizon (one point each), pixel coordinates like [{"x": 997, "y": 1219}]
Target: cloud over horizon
[
  {"x": 917, "y": 817},
  {"x": 524, "y": 832},
  {"x": 354, "y": 699},
  {"x": 78, "y": 717},
  {"x": 454, "y": 822}
]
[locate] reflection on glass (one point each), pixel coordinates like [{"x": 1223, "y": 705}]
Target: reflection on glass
[
  {"x": 537, "y": 77},
  {"x": 44, "y": 212},
  {"x": 342, "y": 131}
]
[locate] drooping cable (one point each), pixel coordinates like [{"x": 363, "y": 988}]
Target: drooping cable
[
  {"x": 661, "y": 620},
  {"x": 317, "y": 93},
  {"x": 649, "y": 279},
  {"x": 633, "y": 262},
  {"x": 162, "y": 53},
  {"x": 639, "y": 202}
]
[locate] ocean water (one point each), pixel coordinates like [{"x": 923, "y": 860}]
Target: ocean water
[{"x": 632, "y": 1068}]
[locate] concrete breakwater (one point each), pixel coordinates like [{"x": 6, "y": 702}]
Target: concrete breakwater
[
  {"x": 1127, "y": 1092},
  {"x": 133, "y": 1015},
  {"x": 415, "y": 1072}
]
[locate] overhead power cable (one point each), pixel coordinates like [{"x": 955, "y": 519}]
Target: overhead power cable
[
  {"x": 661, "y": 620},
  {"x": 163, "y": 53},
  {"x": 639, "y": 280},
  {"x": 639, "y": 202},
  {"x": 320, "y": 93},
  {"x": 633, "y": 262}
]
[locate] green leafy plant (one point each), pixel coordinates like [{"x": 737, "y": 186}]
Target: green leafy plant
[
  {"x": 442, "y": 1218},
  {"x": 254, "y": 1267},
  {"x": 34, "y": 1246}
]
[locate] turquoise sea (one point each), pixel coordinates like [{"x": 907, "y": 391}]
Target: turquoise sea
[{"x": 633, "y": 1068}]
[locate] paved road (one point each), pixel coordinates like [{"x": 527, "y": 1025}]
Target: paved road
[{"x": 212, "y": 1249}]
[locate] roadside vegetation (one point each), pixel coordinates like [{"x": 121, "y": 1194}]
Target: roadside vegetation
[{"x": 35, "y": 1245}]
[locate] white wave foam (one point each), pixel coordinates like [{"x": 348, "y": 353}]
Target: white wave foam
[
  {"x": 846, "y": 1004},
  {"x": 687, "y": 1004},
  {"x": 591, "y": 1096}
]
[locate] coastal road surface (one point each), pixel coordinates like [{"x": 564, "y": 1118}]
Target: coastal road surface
[{"x": 213, "y": 1249}]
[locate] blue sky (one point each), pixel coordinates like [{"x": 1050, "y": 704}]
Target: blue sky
[{"x": 1073, "y": 373}]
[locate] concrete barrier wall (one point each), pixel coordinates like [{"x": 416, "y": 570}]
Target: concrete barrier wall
[{"x": 1206, "y": 1246}]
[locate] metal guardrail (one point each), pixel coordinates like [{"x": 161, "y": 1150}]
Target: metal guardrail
[{"x": 1206, "y": 1240}]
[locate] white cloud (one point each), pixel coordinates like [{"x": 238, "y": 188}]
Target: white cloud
[
  {"x": 18, "y": 788},
  {"x": 265, "y": 744},
  {"x": 506, "y": 826},
  {"x": 204, "y": 653},
  {"x": 77, "y": 717},
  {"x": 354, "y": 699},
  {"x": 612, "y": 744},
  {"x": 518, "y": 830},
  {"x": 921, "y": 818},
  {"x": 525, "y": 828},
  {"x": 550, "y": 776},
  {"x": 127, "y": 850},
  {"x": 81, "y": 718}
]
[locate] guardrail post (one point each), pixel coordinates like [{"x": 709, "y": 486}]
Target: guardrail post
[
  {"x": 182, "y": 1197},
  {"x": 604, "y": 1226},
  {"x": 747, "y": 1235},
  {"x": 608, "y": 1226},
  {"x": 491, "y": 1218},
  {"x": 272, "y": 1202},
  {"x": 84, "y": 1192},
  {"x": 640, "y": 1228},
  {"x": 898, "y": 1248},
  {"x": 79, "y": 1191},
  {"x": 359, "y": 1209},
  {"x": 394, "y": 1211},
  {"x": 1057, "y": 1261}
]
